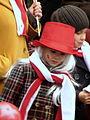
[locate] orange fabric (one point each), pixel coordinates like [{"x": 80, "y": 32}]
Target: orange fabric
[
  {"x": 12, "y": 46},
  {"x": 1, "y": 86}
]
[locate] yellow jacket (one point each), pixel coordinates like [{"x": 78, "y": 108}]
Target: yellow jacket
[{"x": 12, "y": 46}]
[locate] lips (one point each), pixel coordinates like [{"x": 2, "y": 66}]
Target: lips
[
  {"x": 80, "y": 43},
  {"x": 54, "y": 61}
]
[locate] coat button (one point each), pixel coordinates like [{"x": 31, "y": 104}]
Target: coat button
[
  {"x": 76, "y": 76},
  {"x": 37, "y": 104},
  {"x": 47, "y": 107},
  {"x": 87, "y": 76}
]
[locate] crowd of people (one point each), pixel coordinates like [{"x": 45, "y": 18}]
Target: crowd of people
[{"x": 47, "y": 78}]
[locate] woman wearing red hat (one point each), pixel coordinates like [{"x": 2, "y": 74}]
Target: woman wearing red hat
[
  {"x": 76, "y": 17},
  {"x": 42, "y": 86}
]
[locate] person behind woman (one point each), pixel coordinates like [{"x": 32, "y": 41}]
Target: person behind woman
[
  {"x": 77, "y": 18},
  {"x": 14, "y": 30},
  {"x": 42, "y": 87}
]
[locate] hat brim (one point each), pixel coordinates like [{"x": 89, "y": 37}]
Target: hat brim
[{"x": 37, "y": 43}]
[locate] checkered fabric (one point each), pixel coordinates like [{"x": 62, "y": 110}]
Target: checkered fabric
[{"x": 17, "y": 84}]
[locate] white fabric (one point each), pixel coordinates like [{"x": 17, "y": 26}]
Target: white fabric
[
  {"x": 85, "y": 49},
  {"x": 86, "y": 54},
  {"x": 67, "y": 100},
  {"x": 18, "y": 17},
  {"x": 67, "y": 90},
  {"x": 34, "y": 58},
  {"x": 87, "y": 88}
]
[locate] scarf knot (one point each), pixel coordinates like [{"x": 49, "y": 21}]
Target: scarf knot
[{"x": 55, "y": 79}]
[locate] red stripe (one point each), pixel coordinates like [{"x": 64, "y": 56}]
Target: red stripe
[
  {"x": 57, "y": 79},
  {"x": 59, "y": 114},
  {"x": 40, "y": 75},
  {"x": 29, "y": 95},
  {"x": 31, "y": 91}
]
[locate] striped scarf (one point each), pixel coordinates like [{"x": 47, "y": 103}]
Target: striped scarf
[
  {"x": 67, "y": 90},
  {"x": 20, "y": 16}
]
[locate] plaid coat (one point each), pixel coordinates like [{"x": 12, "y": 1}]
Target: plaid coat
[{"x": 16, "y": 86}]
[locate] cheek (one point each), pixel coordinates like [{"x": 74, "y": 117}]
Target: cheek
[
  {"x": 76, "y": 41},
  {"x": 63, "y": 58},
  {"x": 77, "y": 38},
  {"x": 47, "y": 56}
]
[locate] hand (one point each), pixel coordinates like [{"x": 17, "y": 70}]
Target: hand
[
  {"x": 84, "y": 97},
  {"x": 36, "y": 9}
]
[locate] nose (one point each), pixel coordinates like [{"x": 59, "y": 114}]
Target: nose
[{"x": 83, "y": 36}]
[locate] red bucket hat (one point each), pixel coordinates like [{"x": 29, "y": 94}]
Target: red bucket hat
[{"x": 57, "y": 36}]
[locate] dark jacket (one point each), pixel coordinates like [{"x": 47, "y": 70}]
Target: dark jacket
[
  {"x": 82, "y": 76},
  {"x": 19, "y": 81}
]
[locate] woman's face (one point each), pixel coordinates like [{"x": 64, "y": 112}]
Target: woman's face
[
  {"x": 80, "y": 38},
  {"x": 52, "y": 57}
]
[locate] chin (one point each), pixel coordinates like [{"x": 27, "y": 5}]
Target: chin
[{"x": 53, "y": 65}]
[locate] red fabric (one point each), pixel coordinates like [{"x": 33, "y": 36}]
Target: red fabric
[
  {"x": 59, "y": 115},
  {"x": 31, "y": 91},
  {"x": 7, "y": 108},
  {"x": 28, "y": 97},
  {"x": 57, "y": 80},
  {"x": 80, "y": 54},
  {"x": 57, "y": 36},
  {"x": 23, "y": 13}
]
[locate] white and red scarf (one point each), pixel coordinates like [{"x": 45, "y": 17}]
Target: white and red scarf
[
  {"x": 20, "y": 16},
  {"x": 67, "y": 90}
]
